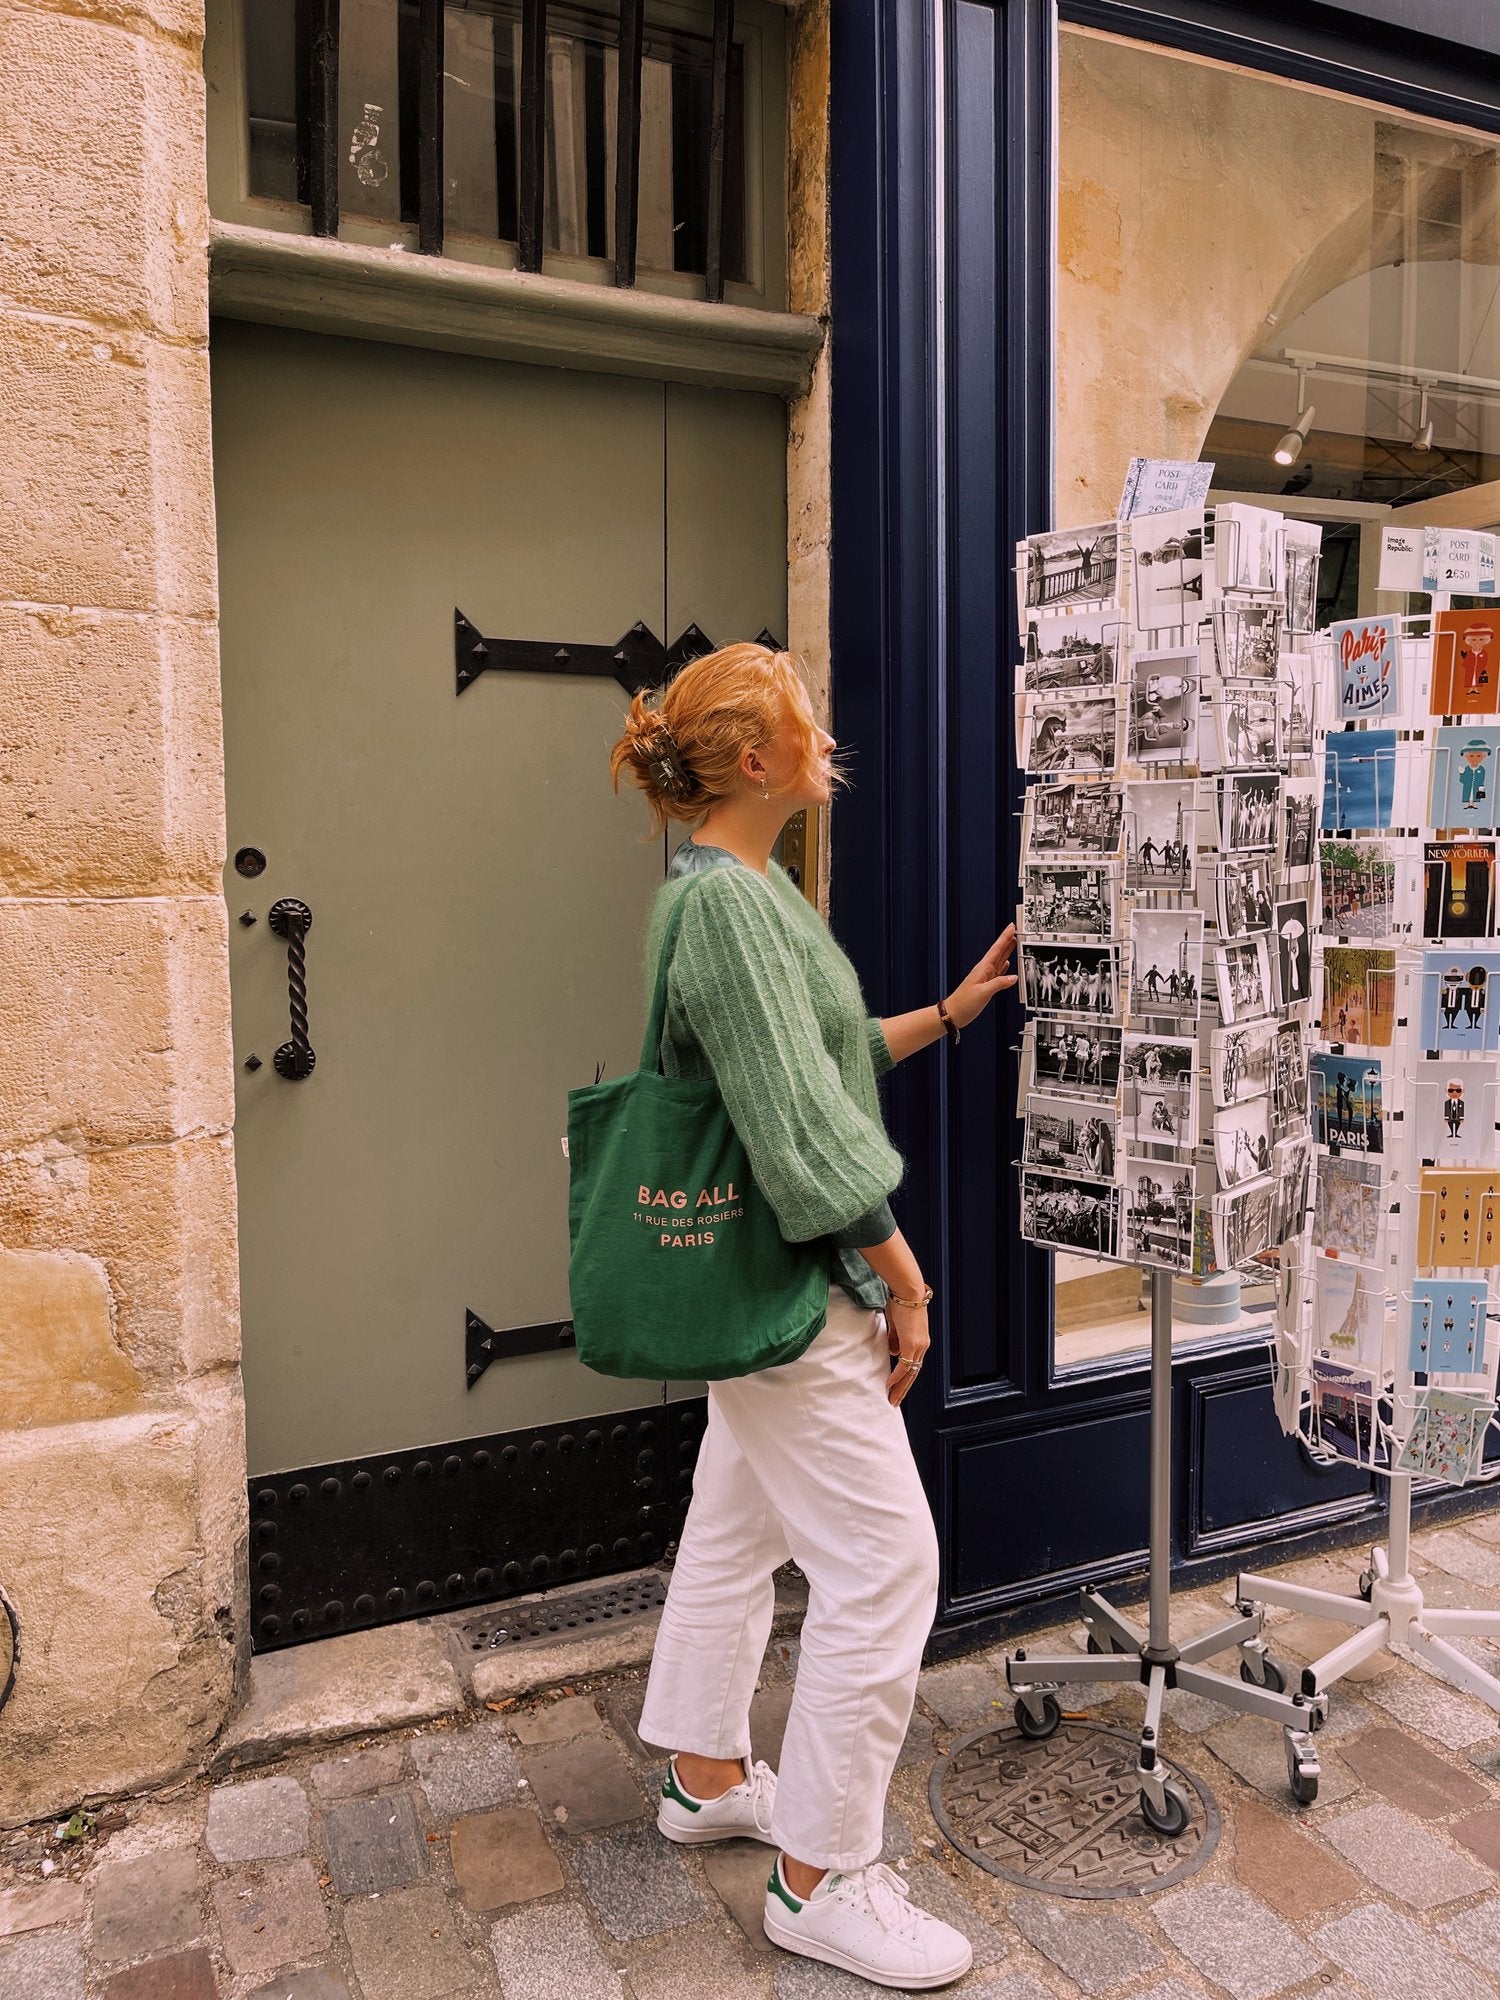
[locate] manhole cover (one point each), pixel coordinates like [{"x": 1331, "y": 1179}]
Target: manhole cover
[
  {"x": 1064, "y": 1814},
  {"x": 564, "y": 1611}
]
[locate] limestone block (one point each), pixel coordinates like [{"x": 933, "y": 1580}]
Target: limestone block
[
  {"x": 107, "y": 462},
  {"x": 180, "y": 21},
  {"x": 161, "y": 1221},
  {"x": 102, "y": 160},
  {"x": 112, "y": 778},
  {"x": 115, "y": 1021},
  {"x": 808, "y": 471},
  {"x": 807, "y": 621},
  {"x": 110, "y": 1538},
  {"x": 808, "y": 57},
  {"x": 59, "y": 1363}
]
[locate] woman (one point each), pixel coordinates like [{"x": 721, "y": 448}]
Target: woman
[{"x": 809, "y": 1459}]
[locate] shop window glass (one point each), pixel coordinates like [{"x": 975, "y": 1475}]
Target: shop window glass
[{"x": 1232, "y": 251}]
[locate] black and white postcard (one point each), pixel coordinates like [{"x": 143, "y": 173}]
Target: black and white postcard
[
  {"x": 1298, "y": 690},
  {"x": 1288, "y": 1073},
  {"x": 1242, "y": 1224},
  {"x": 1249, "y": 544},
  {"x": 1071, "y": 566},
  {"x": 1159, "y": 1099},
  {"x": 1297, "y": 834},
  {"x": 1240, "y": 1061},
  {"x": 1166, "y": 963},
  {"x": 1163, "y": 721},
  {"x": 1065, "y": 1216},
  {"x": 1244, "y": 896},
  {"x": 1247, "y": 642},
  {"x": 1076, "y": 649},
  {"x": 1242, "y": 1141},
  {"x": 1291, "y": 1163},
  {"x": 1069, "y": 899},
  {"x": 1071, "y": 979},
  {"x": 1301, "y": 543},
  {"x": 1243, "y": 974},
  {"x": 1293, "y": 955},
  {"x": 1168, "y": 569},
  {"x": 1158, "y": 1212},
  {"x": 1072, "y": 820},
  {"x": 1078, "y": 1058},
  {"x": 1076, "y": 733},
  {"x": 1160, "y": 834},
  {"x": 1249, "y": 721},
  {"x": 1248, "y": 808},
  {"x": 1069, "y": 1137}
]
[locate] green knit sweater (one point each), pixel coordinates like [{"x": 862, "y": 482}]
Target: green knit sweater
[{"x": 761, "y": 998}]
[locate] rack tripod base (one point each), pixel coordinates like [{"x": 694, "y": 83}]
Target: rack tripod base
[{"x": 1119, "y": 1651}]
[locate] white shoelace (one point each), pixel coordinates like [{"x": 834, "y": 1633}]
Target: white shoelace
[
  {"x": 761, "y": 1785},
  {"x": 888, "y": 1897}
]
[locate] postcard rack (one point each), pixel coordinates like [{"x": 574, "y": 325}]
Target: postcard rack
[
  {"x": 1386, "y": 1330},
  {"x": 1165, "y": 715}
]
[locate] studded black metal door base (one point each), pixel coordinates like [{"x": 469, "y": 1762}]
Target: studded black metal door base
[
  {"x": 1064, "y": 1814},
  {"x": 369, "y": 1541}
]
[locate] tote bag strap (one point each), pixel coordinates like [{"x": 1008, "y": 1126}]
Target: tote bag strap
[{"x": 656, "y": 1020}]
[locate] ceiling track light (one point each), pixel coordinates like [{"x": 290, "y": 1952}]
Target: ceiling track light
[
  {"x": 1422, "y": 441},
  {"x": 1289, "y": 446}
]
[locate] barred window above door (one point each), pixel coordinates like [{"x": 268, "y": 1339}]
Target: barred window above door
[{"x": 641, "y": 138}]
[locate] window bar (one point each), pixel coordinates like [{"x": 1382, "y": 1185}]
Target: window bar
[
  {"x": 718, "y": 123},
  {"x": 628, "y": 137},
  {"x": 505, "y": 131},
  {"x": 430, "y": 19},
  {"x": 318, "y": 111},
  {"x": 532, "y": 207}
]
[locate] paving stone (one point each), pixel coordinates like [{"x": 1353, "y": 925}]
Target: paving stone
[
  {"x": 737, "y": 1871},
  {"x": 317, "y": 1983},
  {"x": 1486, "y": 1757},
  {"x": 1174, "y": 1989},
  {"x": 940, "y": 1896},
  {"x": 44, "y": 1965},
  {"x": 918, "y": 1748},
  {"x": 501, "y": 1858},
  {"x": 1021, "y": 1986},
  {"x": 1485, "y": 1526},
  {"x": 1095, "y": 1952},
  {"x": 258, "y": 1821},
  {"x": 1476, "y": 1933},
  {"x": 147, "y": 1905},
  {"x": 1193, "y": 1712},
  {"x": 1255, "y": 1751},
  {"x": 769, "y": 1709},
  {"x": 637, "y": 1884},
  {"x": 1295, "y": 1875},
  {"x": 698, "y": 1963},
  {"x": 550, "y": 1953},
  {"x": 806, "y": 1979},
  {"x": 1460, "y": 1556},
  {"x": 1399, "y": 1855},
  {"x": 350, "y": 1685},
  {"x": 1308, "y": 1639},
  {"x": 622, "y": 1711},
  {"x": 187, "y": 1975},
  {"x": 465, "y": 1770},
  {"x": 589, "y": 1779},
  {"x": 895, "y": 1839},
  {"x": 965, "y": 1692},
  {"x": 1480, "y": 1833},
  {"x": 1455, "y": 1720},
  {"x": 1233, "y": 1939},
  {"x": 1411, "y": 1775},
  {"x": 1387, "y": 1954},
  {"x": 373, "y": 1770},
  {"x": 271, "y": 1916},
  {"x": 37, "y": 1906},
  {"x": 405, "y": 1947},
  {"x": 555, "y": 1721},
  {"x": 374, "y": 1844}
]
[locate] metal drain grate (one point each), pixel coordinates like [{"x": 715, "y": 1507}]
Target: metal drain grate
[{"x": 566, "y": 1611}]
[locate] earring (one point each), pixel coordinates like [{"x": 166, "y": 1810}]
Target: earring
[{"x": 765, "y": 789}]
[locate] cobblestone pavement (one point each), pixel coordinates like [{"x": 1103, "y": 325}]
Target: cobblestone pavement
[{"x": 514, "y": 1855}]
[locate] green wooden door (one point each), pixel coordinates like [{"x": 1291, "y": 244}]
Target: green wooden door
[{"x": 477, "y": 892}]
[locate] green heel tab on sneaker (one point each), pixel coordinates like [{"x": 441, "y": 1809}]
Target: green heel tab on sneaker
[
  {"x": 778, "y": 1888},
  {"x": 670, "y": 1789}
]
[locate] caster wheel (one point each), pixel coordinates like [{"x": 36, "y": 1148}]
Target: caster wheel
[
  {"x": 1304, "y": 1785},
  {"x": 1093, "y": 1644},
  {"x": 1366, "y": 1585},
  {"x": 1274, "y": 1678},
  {"x": 1028, "y": 1725},
  {"x": 1173, "y": 1820}
]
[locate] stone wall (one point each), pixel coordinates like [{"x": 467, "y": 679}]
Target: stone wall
[{"x": 121, "y": 1431}]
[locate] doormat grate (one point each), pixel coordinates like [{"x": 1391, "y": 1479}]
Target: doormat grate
[
  {"x": 1064, "y": 1814},
  {"x": 567, "y": 1611}
]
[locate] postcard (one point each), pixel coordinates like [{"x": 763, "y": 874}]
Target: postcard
[
  {"x": 1465, "y": 664},
  {"x": 1299, "y": 693},
  {"x": 1299, "y": 813},
  {"x": 1242, "y": 1142},
  {"x": 1347, "y": 1407},
  {"x": 1077, "y": 566},
  {"x": 1159, "y": 1099},
  {"x": 1166, "y": 963},
  {"x": 1458, "y": 880},
  {"x": 1077, "y": 649},
  {"x": 1158, "y": 1214},
  {"x": 1247, "y": 642},
  {"x": 1464, "y": 793},
  {"x": 1458, "y": 1219},
  {"x": 1065, "y": 1216},
  {"x": 1347, "y": 1103},
  {"x": 1358, "y": 883},
  {"x": 1248, "y": 812},
  {"x": 1446, "y": 1330},
  {"x": 1075, "y": 732},
  {"x": 1291, "y": 1169},
  {"x": 1366, "y": 653},
  {"x": 1242, "y": 972},
  {"x": 1460, "y": 1000},
  {"x": 1349, "y": 1205},
  {"x": 1453, "y": 1109},
  {"x": 1168, "y": 569},
  {"x": 1241, "y": 1060},
  {"x": 1249, "y": 719},
  {"x": 1068, "y": 899},
  {"x": 1163, "y": 720},
  {"x": 1448, "y": 1433},
  {"x": 1349, "y": 1311},
  {"x": 1293, "y": 954},
  {"x": 1242, "y": 1223},
  {"x": 1071, "y": 979},
  {"x": 1359, "y": 780},
  {"x": 1068, "y": 1137},
  {"x": 1302, "y": 543},
  {"x": 1244, "y": 896},
  {"x": 1359, "y": 995},
  {"x": 1072, "y": 818},
  {"x": 1249, "y": 543},
  {"x": 1160, "y": 834},
  {"x": 1288, "y": 1072},
  {"x": 1076, "y": 1058}
]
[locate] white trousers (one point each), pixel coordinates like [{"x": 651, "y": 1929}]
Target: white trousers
[{"x": 808, "y": 1460}]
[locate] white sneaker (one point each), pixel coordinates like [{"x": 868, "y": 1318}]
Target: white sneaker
[
  {"x": 743, "y": 1812},
  {"x": 866, "y": 1923}
]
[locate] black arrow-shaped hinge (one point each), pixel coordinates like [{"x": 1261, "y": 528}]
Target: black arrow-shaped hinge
[
  {"x": 484, "y": 1344},
  {"x": 637, "y": 661}
]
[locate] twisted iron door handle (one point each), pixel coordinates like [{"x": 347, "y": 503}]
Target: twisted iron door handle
[{"x": 293, "y": 920}]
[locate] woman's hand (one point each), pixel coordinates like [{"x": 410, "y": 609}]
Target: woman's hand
[
  {"x": 906, "y": 1329},
  {"x": 969, "y": 999}
]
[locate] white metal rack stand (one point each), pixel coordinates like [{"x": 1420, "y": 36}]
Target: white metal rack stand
[{"x": 1120, "y": 1651}]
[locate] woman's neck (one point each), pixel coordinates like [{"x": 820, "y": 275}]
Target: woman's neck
[{"x": 748, "y": 832}]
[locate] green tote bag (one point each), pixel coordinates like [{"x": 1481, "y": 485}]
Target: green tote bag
[{"x": 679, "y": 1271}]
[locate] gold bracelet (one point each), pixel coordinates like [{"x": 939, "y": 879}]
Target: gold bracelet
[{"x": 925, "y": 1299}]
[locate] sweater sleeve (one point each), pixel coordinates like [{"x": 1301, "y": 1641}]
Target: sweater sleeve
[
  {"x": 880, "y": 1048},
  {"x": 879, "y": 1226},
  {"x": 739, "y": 976}
]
